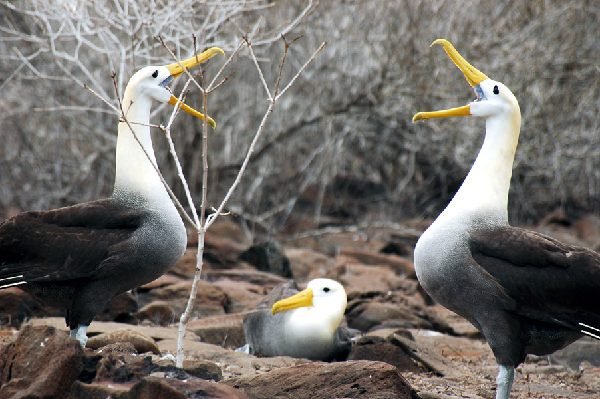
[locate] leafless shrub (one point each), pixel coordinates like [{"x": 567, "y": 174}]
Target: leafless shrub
[{"x": 348, "y": 120}]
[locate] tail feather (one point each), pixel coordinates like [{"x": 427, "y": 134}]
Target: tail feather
[
  {"x": 11, "y": 281},
  {"x": 590, "y": 331}
]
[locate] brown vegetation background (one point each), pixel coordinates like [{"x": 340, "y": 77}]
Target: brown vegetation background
[{"x": 341, "y": 144}]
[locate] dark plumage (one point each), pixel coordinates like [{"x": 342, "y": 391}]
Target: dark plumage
[{"x": 79, "y": 257}]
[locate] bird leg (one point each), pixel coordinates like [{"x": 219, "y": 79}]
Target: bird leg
[
  {"x": 80, "y": 334},
  {"x": 504, "y": 381}
]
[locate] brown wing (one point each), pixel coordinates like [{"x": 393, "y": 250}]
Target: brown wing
[
  {"x": 548, "y": 280},
  {"x": 66, "y": 243}
]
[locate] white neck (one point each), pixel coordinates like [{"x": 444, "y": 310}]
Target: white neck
[
  {"x": 135, "y": 173},
  {"x": 485, "y": 189}
]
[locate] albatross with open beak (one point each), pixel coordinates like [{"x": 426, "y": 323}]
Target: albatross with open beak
[
  {"x": 526, "y": 292},
  {"x": 79, "y": 257}
]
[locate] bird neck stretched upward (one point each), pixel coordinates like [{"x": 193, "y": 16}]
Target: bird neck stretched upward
[
  {"x": 135, "y": 160},
  {"x": 485, "y": 189}
]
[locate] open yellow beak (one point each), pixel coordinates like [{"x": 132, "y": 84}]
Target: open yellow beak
[
  {"x": 302, "y": 299},
  {"x": 472, "y": 74},
  {"x": 178, "y": 68}
]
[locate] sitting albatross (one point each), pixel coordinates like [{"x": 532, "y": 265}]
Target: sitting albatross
[
  {"x": 526, "y": 292},
  {"x": 304, "y": 324},
  {"x": 79, "y": 257}
]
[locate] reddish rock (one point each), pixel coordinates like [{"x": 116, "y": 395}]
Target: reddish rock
[
  {"x": 357, "y": 278},
  {"x": 41, "y": 363},
  {"x": 307, "y": 264},
  {"x": 186, "y": 266},
  {"x": 241, "y": 295},
  {"x": 154, "y": 388},
  {"x": 250, "y": 275},
  {"x": 210, "y": 299},
  {"x": 368, "y": 315},
  {"x": 225, "y": 330},
  {"x": 121, "y": 308},
  {"x": 159, "y": 388},
  {"x": 221, "y": 251},
  {"x": 140, "y": 341},
  {"x": 588, "y": 229},
  {"x": 401, "y": 266},
  {"x": 203, "y": 369},
  {"x": 378, "y": 349},
  {"x": 315, "y": 380},
  {"x": 162, "y": 281},
  {"x": 17, "y": 305},
  {"x": 157, "y": 312},
  {"x": 123, "y": 368},
  {"x": 104, "y": 390}
]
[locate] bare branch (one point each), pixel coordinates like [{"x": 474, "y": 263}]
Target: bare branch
[{"x": 312, "y": 57}]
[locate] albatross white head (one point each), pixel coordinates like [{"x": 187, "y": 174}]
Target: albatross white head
[
  {"x": 485, "y": 189},
  {"x": 316, "y": 312},
  {"x": 134, "y": 172}
]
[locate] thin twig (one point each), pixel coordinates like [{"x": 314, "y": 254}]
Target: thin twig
[
  {"x": 183, "y": 320},
  {"x": 260, "y": 73},
  {"x": 211, "y": 85},
  {"x": 312, "y": 57},
  {"x": 85, "y": 86}
]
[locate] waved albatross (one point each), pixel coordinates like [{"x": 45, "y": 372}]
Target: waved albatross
[
  {"x": 304, "y": 324},
  {"x": 526, "y": 292},
  {"x": 79, "y": 257}
]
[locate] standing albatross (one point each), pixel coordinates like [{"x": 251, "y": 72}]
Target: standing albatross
[
  {"x": 526, "y": 292},
  {"x": 79, "y": 257}
]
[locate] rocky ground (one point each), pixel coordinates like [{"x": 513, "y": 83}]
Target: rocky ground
[{"x": 410, "y": 347}]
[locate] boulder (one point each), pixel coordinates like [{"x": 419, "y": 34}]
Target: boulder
[
  {"x": 121, "y": 308},
  {"x": 369, "y": 315},
  {"x": 157, "y": 312},
  {"x": 380, "y": 349},
  {"x": 210, "y": 299},
  {"x": 161, "y": 388},
  {"x": 42, "y": 362},
  {"x": 140, "y": 341},
  {"x": 203, "y": 369},
  {"x": 17, "y": 305},
  {"x": 249, "y": 275},
  {"x": 268, "y": 257},
  {"x": 307, "y": 264},
  {"x": 357, "y": 278},
  {"x": 315, "y": 380},
  {"x": 241, "y": 295},
  {"x": 103, "y": 390},
  {"x": 225, "y": 330},
  {"x": 585, "y": 349},
  {"x": 401, "y": 266}
]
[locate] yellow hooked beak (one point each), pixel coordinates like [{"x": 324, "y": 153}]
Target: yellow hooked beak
[
  {"x": 301, "y": 299},
  {"x": 178, "y": 68},
  {"x": 472, "y": 74}
]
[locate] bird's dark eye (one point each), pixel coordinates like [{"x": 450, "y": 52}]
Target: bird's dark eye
[
  {"x": 155, "y": 74},
  {"x": 326, "y": 289},
  {"x": 496, "y": 90}
]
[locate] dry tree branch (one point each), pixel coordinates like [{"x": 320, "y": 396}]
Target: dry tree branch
[{"x": 205, "y": 224}]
